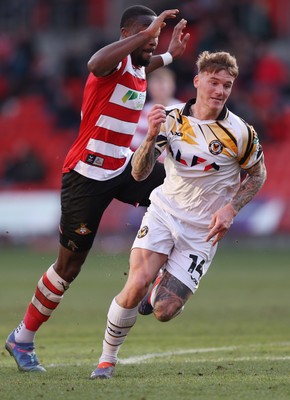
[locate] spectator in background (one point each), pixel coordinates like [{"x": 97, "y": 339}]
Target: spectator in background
[
  {"x": 23, "y": 166},
  {"x": 65, "y": 102},
  {"x": 161, "y": 90},
  {"x": 18, "y": 57}
]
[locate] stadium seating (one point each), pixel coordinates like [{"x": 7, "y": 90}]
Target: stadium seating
[{"x": 27, "y": 122}]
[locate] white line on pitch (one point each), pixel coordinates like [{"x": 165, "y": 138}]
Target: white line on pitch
[
  {"x": 193, "y": 360},
  {"x": 222, "y": 359},
  {"x": 145, "y": 357},
  {"x": 139, "y": 359}
]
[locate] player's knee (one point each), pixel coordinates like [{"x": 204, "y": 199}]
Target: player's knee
[
  {"x": 134, "y": 291},
  {"x": 139, "y": 290},
  {"x": 166, "y": 310},
  {"x": 68, "y": 264}
]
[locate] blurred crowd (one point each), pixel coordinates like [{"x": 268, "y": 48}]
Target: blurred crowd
[{"x": 45, "y": 46}]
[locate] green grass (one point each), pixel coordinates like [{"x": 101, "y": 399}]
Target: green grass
[{"x": 231, "y": 342}]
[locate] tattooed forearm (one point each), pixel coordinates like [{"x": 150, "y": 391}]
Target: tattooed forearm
[
  {"x": 250, "y": 186},
  {"x": 144, "y": 159}
]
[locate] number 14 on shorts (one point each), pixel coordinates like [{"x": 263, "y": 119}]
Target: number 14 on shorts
[{"x": 196, "y": 269}]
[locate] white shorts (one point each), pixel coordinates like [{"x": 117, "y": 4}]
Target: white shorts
[{"x": 189, "y": 255}]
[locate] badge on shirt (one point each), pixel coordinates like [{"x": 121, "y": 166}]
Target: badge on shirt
[{"x": 215, "y": 147}]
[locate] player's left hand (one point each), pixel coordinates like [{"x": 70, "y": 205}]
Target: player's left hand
[
  {"x": 178, "y": 43},
  {"x": 220, "y": 223}
]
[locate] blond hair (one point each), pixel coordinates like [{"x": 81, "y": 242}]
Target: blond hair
[{"x": 217, "y": 61}]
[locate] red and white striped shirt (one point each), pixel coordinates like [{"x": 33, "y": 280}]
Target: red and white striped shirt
[{"x": 110, "y": 112}]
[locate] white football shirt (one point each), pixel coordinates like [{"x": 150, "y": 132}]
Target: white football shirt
[{"x": 203, "y": 163}]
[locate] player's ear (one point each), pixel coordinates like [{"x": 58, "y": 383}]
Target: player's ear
[
  {"x": 196, "y": 81},
  {"x": 124, "y": 33}
]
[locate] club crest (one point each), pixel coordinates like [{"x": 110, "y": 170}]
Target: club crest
[
  {"x": 143, "y": 232},
  {"x": 83, "y": 230},
  {"x": 215, "y": 147}
]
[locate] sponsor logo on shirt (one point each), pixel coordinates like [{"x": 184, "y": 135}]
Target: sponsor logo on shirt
[
  {"x": 95, "y": 160},
  {"x": 131, "y": 95},
  {"x": 127, "y": 97}
]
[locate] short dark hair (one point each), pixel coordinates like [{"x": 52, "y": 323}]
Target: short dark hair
[{"x": 131, "y": 13}]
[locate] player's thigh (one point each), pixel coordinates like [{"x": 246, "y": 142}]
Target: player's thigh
[
  {"x": 189, "y": 266},
  {"x": 191, "y": 256},
  {"x": 144, "y": 265},
  {"x": 150, "y": 249},
  {"x": 137, "y": 193},
  {"x": 82, "y": 207},
  {"x": 155, "y": 232}
]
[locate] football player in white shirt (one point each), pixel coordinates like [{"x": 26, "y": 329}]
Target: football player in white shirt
[{"x": 207, "y": 148}]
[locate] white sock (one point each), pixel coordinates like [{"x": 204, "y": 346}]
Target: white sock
[
  {"x": 120, "y": 321},
  {"x": 23, "y": 335}
]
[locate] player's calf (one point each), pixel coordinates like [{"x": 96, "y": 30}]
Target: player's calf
[{"x": 165, "y": 310}]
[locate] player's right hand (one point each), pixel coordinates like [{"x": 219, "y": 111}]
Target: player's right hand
[
  {"x": 156, "y": 117},
  {"x": 158, "y": 23}
]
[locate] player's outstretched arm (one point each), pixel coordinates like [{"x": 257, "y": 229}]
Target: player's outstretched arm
[
  {"x": 145, "y": 156},
  {"x": 250, "y": 186},
  {"x": 105, "y": 60},
  {"x": 176, "y": 46}
]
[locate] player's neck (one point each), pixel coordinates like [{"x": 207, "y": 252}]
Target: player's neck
[{"x": 202, "y": 113}]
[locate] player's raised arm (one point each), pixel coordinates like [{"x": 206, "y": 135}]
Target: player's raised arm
[
  {"x": 145, "y": 156},
  {"x": 105, "y": 60},
  {"x": 176, "y": 48}
]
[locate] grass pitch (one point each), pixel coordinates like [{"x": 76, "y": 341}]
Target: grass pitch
[{"x": 231, "y": 342}]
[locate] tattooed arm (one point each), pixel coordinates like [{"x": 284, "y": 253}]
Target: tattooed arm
[
  {"x": 250, "y": 186},
  {"x": 145, "y": 156}
]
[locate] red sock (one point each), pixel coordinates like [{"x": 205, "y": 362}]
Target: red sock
[{"x": 47, "y": 296}]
